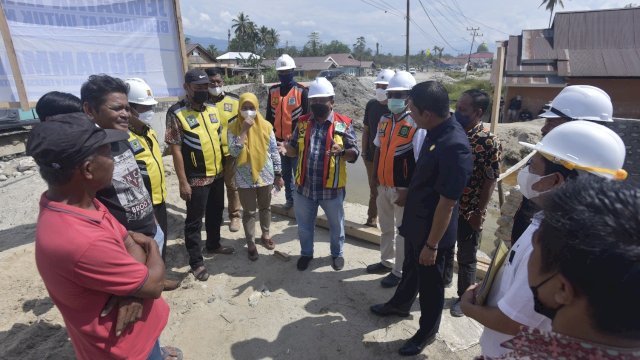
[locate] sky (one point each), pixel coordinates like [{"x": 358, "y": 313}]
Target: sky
[{"x": 382, "y": 21}]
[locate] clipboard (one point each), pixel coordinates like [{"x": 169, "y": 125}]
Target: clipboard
[{"x": 496, "y": 263}]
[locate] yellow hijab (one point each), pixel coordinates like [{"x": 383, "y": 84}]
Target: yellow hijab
[{"x": 258, "y": 137}]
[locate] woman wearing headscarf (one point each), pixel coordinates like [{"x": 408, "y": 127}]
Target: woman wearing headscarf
[{"x": 253, "y": 144}]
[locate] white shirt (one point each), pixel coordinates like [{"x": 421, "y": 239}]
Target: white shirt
[
  {"x": 512, "y": 295},
  {"x": 417, "y": 140}
]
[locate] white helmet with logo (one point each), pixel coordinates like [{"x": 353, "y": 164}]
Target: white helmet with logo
[
  {"x": 140, "y": 92},
  {"x": 584, "y": 145},
  {"x": 320, "y": 87},
  {"x": 384, "y": 76},
  {"x": 581, "y": 102},
  {"x": 285, "y": 62},
  {"x": 401, "y": 81}
]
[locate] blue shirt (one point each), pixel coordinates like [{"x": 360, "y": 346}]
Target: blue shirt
[
  {"x": 313, "y": 187},
  {"x": 443, "y": 169}
]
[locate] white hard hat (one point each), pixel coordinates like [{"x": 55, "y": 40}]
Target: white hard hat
[
  {"x": 285, "y": 62},
  {"x": 384, "y": 76},
  {"x": 320, "y": 87},
  {"x": 581, "y": 102},
  {"x": 584, "y": 145},
  {"x": 140, "y": 92},
  {"x": 401, "y": 81}
]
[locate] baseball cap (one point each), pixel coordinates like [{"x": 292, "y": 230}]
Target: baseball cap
[
  {"x": 196, "y": 76},
  {"x": 64, "y": 141}
]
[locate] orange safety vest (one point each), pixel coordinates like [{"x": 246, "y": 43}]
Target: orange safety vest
[
  {"x": 335, "y": 167},
  {"x": 396, "y": 162},
  {"x": 286, "y": 109}
]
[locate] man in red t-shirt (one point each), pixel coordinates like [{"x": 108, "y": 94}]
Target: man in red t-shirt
[{"x": 85, "y": 256}]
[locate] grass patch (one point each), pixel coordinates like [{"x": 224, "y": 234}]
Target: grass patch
[{"x": 456, "y": 89}]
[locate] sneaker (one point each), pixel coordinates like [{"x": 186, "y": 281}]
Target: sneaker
[
  {"x": 456, "y": 310},
  {"x": 234, "y": 224},
  {"x": 337, "y": 263},
  {"x": 377, "y": 268},
  {"x": 303, "y": 262},
  {"x": 390, "y": 281}
]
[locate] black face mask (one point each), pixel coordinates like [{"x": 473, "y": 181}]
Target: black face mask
[
  {"x": 538, "y": 306},
  {"x": 320, "y": 111},
  {"x": 199, "y": 97}
]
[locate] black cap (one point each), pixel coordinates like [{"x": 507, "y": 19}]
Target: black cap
[
  {"x": 64, "y": 141},
  {"x": 196, "y": 76}
]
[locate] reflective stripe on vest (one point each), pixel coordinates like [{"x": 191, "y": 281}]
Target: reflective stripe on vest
[
  {"x": 201, "y": 142},
  {"x": 396, "y": 150},
  {"x": 149, "y": 158},
  {"x": 335, "y": 167},
  {"x": 228, "y": 111},
  {"x": 286, "y": 109}
]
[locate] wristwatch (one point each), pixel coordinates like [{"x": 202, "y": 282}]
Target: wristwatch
[{"x": 432, "y": 248}]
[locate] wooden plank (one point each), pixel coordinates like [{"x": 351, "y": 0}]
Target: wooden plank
[
  {"x": 183, "y": 48},
  {"x": 13, "y": 60},
  {"x": 368, "y": 234}
]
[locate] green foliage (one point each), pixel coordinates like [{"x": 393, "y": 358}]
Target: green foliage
[
  {"x": 213, "y": 50},
  {"x": 336, "y": 47},
  {"x": 456, "y": 89},
  {"x": 314, "y": 46},
  {"x": 253, "y": 38}
]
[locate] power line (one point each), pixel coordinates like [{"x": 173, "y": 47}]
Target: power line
[
  {"x": 473, "y": 34},
  {"x": 380, "y": 8},
  {"x": 388, "y": 7},
  {"x": 435, "y": 27}
]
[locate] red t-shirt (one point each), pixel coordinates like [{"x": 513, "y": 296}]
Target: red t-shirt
[{"x": 82, "y": 260}]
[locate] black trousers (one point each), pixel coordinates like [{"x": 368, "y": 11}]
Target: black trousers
[
  {"x": 160, "y": 212},
  {"x": 425, "y": 280},
  {"x": 207, "y": 201}
]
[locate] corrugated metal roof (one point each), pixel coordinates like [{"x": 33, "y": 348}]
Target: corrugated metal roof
[
  {"x": 537, "y": 45},
  {"x": 603, "y": 29}
]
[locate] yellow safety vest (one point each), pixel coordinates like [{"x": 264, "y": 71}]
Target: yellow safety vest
[
  {"x": 228, "y": 110},
  {"x": 203, "y": 142},
  {"x": 335, "y": 167},
  {"x": 146, "y": 149}
]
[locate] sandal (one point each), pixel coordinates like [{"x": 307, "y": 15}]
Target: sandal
[
  {"x": 200, "y": 273},
  {"x": 268, "y": 243},
  {"x": 252, "y": 252},
  {"x": 171, "y": 353}
]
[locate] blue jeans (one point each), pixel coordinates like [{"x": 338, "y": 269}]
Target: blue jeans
[
  {"x": 288, "y": 167},
  {"x": 156, "y": 353},
  {"x": 306, "y": 212},
  {"x": 159, "y": 238}
]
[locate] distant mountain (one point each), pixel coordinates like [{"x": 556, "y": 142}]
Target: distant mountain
[{"x": 206, "y": 41}]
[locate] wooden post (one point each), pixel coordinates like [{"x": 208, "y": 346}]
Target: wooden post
[
  {"x": 183, "y": 48},
  {"x": 495, "y": 113},
  {"x": 13, "y": 60}
]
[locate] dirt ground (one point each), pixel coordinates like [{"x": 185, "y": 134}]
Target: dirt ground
[{"x": 246, "y": 310}]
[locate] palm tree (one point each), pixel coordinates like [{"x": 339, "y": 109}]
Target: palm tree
[
  {"x": 551, "y": 4},
  {"x": 274, "y": 37},
  {"x": 242, "y": 26}
]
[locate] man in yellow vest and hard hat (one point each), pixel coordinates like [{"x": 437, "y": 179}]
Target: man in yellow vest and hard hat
[
  {"x": 323, "y": 141},
  {"x": 287, "y": 101},
  {"x": 227, "y": 104},
  {"x": 197, "y": 135}
]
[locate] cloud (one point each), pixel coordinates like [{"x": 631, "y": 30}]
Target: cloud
[
  {"x": 226, "y": 17},
  {"x": 306, "y": 23},
  {"x": 204, "y": 17}
]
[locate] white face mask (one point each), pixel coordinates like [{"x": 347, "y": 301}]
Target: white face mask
[
  {"x": 146, "y": 117},
  {"x": 216, "y": 91},
  {"x": 381, "y": 95},
  {"x": 248, "y": 114},
  {"x": 526, "y": 179}
]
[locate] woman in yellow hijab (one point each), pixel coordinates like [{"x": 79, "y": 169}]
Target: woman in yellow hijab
[{"x": 253, "y": 144}]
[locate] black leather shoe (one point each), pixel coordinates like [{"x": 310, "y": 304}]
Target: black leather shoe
[
  {"x": 390, "y": 281},
  {"x": 303, "y": 262},
  {"x": 386, "y": 310},
  {"x": 377, "y": 268},
  {"x": 337, "y": 263},
  {"x": 414, "y": 346}
]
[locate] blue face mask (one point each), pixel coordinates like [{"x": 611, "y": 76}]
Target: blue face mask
[
  {"x": 286, "y": 79},
  {"x": 462, "y": 119},
  {"x": 396, "y": 106}
]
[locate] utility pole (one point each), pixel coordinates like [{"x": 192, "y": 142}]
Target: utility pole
[
  {"x": 406, "y": 56},
  {"x": 228, "y": 38},
  {"x": 473, "y": 38}
]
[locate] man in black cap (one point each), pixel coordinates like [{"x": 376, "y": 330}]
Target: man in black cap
[
  {"x": 196, "y": 134},
  {"x": 84, "y": 255}
]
